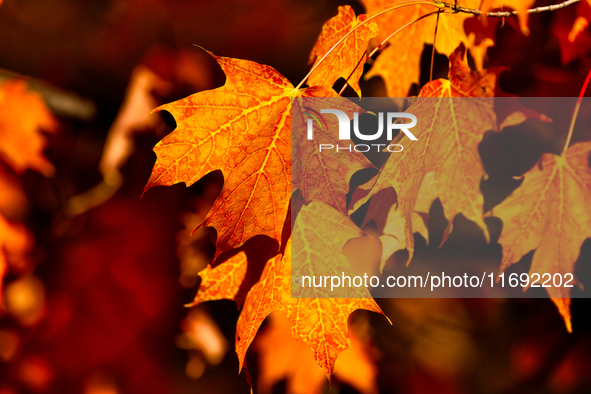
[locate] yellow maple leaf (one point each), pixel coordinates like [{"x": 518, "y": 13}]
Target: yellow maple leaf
[
  {"x": 449, "y": 131},
  {"x": 347, "y": 59},
  {"x": 549, "y": 213},
  {"x": 399, "y": 64}
]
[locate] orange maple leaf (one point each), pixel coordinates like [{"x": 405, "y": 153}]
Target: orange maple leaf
[
  {"x": 319, "y": 322},
  {"x": 231, "y": 279},
  {"x": 212, "y": 287},
  {"x": 549, "y": 212},
  {"x": 242, "y": 129},
  {"x": 447, "y": 148},
  {"x": 23, "y": 115},
  {"x": 399, "y": 64},
  {"x": 345, "y": 61}
]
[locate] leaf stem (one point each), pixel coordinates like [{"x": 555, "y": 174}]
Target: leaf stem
[
  {"x": 343, "y": 38},
  {"x": 433, "y": 50},
  {"x": 399, "y": 30},
  {"x": 576, "y": 112}
]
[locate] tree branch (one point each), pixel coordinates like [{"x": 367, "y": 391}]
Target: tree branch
[{"x": 503, "y": 14}]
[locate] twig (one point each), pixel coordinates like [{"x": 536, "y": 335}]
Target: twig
[
  {"x": 576, "y": 112},
  {"x": 502, "y": 14},
  {"x": 453, "y": 8}
]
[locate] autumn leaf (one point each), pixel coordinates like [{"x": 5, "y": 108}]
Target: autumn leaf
[
  {"x": 448, "y": 133},
  {"x": 347, "y": 59},
  {"x": 319, "y": 322},
  {"x": 242, "y": 129},
  {"x": 23, "y": 115},
  {"x": 549, "y": 213},
  {"x": 399, "y": 64},
  {"x": 212, "y": 287}
]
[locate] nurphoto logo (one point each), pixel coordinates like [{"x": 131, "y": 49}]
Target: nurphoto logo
[{"x": 345, "y": 129}]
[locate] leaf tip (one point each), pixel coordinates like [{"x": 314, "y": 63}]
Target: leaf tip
[{"x": 563, "y": 305}]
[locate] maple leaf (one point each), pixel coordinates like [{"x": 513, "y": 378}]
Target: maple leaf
[
  {"x": 211, "y": 288},
  {"x": 23, "y": 115},
  {"x": 345, "y": 60},
  {"x": 242, "y": 129},
  {"x": 231, "y": 279},
  {"x": 520, "y": 6},
  {"x": 319, "y": 322},
  {"x": 549, "y": 212},
  {"x": 399, "y": 64},
  {"x": 448, "y": 133}
]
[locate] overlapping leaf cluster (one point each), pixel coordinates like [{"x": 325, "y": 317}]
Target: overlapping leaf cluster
[{"x": 243, "y": 130}]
